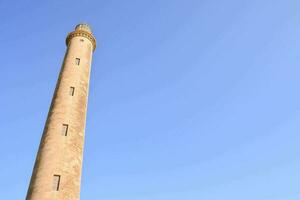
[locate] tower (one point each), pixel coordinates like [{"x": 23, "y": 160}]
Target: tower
[{"x": 57, "y": 171}]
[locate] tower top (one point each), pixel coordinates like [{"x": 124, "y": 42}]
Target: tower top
[
  {"x": 84, "y": 27},
  {"x": 82, "y": 30}
]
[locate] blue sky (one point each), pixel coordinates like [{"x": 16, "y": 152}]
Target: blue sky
[{"x": 193, "y": 99}]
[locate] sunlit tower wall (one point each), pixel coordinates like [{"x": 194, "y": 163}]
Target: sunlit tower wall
[{"x": 57, "y": 171}]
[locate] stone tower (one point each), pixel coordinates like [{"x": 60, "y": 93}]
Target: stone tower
[{"x": 57, "y": 170}]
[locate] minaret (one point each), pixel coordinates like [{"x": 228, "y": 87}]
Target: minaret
[{"x": 57, "y": 170}]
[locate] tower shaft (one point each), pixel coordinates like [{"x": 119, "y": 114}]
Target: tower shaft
[{"x": 57, "y": 170}]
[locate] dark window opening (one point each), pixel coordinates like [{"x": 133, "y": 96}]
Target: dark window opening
[
  {"x": 77, "y": 61},
  {"x": 72, "y": 91},
  {"x": 64, "y": 130},
  {"x": 56, "y": 182}
]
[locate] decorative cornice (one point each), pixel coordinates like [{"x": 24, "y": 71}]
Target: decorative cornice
[{"x": 81, "y": 33}]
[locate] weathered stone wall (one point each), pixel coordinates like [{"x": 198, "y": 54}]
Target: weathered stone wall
[{"x": 61, "y": 154}]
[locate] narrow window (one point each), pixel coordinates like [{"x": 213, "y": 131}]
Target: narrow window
[
  {"x": 72, "y": 91},
  {"x": 77, "y": 61},
  {"x": 56, "y": 181},
  {"x": 81, "y": 40},
  {"x": 64, "y": 130}
]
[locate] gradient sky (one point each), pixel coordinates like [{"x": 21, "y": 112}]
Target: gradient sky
[{"x": 189, "y": 99}]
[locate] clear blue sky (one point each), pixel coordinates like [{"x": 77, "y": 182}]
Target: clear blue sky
[{"x": 189, "y": 99}]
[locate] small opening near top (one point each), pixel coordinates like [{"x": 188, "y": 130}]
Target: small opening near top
[{"x": 77, "y": 61}]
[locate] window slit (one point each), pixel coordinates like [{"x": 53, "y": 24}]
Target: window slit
[
  {"x": 72, "y": 91},
  {"x": 77, "y": 61},
  {"x": 56, "y": 182},
  {"x": 64, "y": 130}
]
